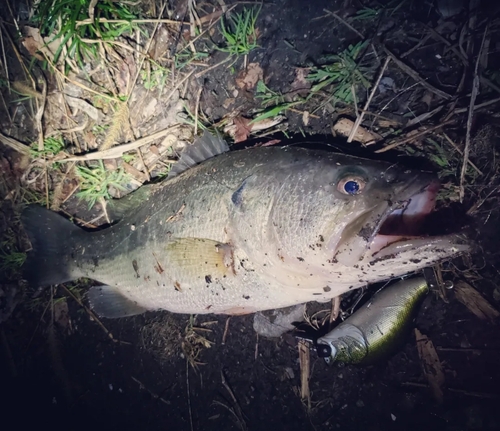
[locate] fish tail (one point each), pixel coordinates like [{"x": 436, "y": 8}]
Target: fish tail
[{"x": 53, "y": 239}]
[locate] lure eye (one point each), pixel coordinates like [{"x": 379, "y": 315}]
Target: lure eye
[{"x": 351, "y": 185}]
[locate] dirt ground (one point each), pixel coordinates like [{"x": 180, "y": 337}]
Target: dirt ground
[{"x": 62, "y": 369}]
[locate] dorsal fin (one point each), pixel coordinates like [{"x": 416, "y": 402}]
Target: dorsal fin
[{"x": 203, "y": 148}]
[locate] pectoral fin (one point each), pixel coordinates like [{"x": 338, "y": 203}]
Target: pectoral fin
[{"x": 194, "y": 258}]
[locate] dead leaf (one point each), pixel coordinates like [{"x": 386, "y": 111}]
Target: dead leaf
[
  {"x": 63, "y": 190},
  {"x": 300, "y": 84},
  {"x": 211, "y": 16},
  {"x": 266, "y": 123},
  {"x": 242, "y": 129},
  {"x": 387, "y": 123},
  {"x": 431, "y": 365},
  {"x": 90, "y": 139},
  {"x": 150, "y": 110},
  {"x": 228, "y": 102},
  {"x": 135, "y": 173},
  {"x": 35, "y": 44},
  {"x": 247, "y": 79},
  {"x": 305, "y": 118},
  {"x": 344, "y": 126},
  {"x": 474, "y": 301},
  {"x": 161, "y": 43},
  {"x": 427, "y": 99},
  {"x": 268, "y": 143},
  {"x": 123, "y": 76},
  {"x": 154, "y": 149},
  {"x": 169, "y": 141},
  {"x": 33, "y": 47},
  {"x": 84, "y": 106},
  {"x": 61, "y": 315}
]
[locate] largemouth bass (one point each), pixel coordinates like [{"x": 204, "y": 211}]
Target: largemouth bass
[
  {"x": 375, "y": 329},
  {"x": 245, "y": 231}
]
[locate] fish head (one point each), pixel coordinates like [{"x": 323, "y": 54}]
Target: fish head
[
  {"x": 311, "y": 219},
  {"x": 380, "y": 204},
  {"x": 379, "y": 214}
]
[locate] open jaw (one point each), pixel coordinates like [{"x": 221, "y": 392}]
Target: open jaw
[
  {"x": 405, "y": 222},
  {"x": 397, "y": 227}
]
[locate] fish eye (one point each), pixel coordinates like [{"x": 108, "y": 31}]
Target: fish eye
[{"x": 351, "y": 185}]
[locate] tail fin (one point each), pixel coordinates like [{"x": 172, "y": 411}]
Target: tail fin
[{"x": 52, "y": 238}]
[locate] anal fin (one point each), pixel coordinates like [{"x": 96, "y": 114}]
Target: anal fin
[{"x": 107, "y": 301}]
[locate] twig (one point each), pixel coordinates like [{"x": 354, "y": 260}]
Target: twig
[
  {"x": 465, "y": 350},
  {"x": 93, "y": 315},
  {"x": 79, "y": 84},
  {"x": 208, "y": 69},
  {"x": 440, "y": 283},
  {"x": 25, "y": 70},
  {"x": 349, "y": 26},
  {"x": 148, "y": 45},
  {"x": 298, "y": 111},
  {"x": 354, "y": 100},
  {"x": 450, "y": 141},
  {"x": 411, "y": 138},
  {"x": 397, "y": 95},
  {"x": 256, "y": 354},
  {"x": 367, "y": 104},
  {"x": 71, "y": 193},
  {"x": 414, "y": 74},
  {"x": 132, "y": 21},
  {"x": 458, "y": 391},
  {"x": 189, "y": 395},
  {"x": 423, "y": 117},
  {"x": 154, "y": 395},
  {"x": 57, "y": 201},
  {"x": 5, "y": 66},
  {"x": 39, "y": 115},
  {"x": 46, "y": 172},
  {"x": 334, "y": 314},
  {"x": 417, "y": 46},
  {"x": 480, "y": 202},
  {"x": 117, "y": 151},
  {"x": 176, "y": 86},
  {"x": 146, "y": 170},
  {"x": 479, "y": 106},
  {"x": 236, "y": 405},
  {"x": 79, "y": 220},
  {"x": 209, "y": 27},
  {"x": 305, "y": 368},
  {"x": 72, "y": 130},
  {"x": 14, "y": 144},
  {"x": 228, "y": 409},
  {"x": 456, "y": 51},
  {"x": 226, "y": 328},
  {"x": 198, "y": 97},
  {"x": 475, "y": 91}
]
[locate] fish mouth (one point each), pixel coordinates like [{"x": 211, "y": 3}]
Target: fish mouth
[
  {"x": 406, "y": 219},
  {"x": 392, "y": 227}
]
